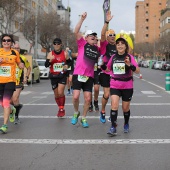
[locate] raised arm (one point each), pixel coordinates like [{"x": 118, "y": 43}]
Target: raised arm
[
  {"x": 105, "y": 26},
  {"x": 78, "y": 26}
]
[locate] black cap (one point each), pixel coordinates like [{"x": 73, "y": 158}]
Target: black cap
[
  {"x": 57, "y": 40},
  {"x": 121, "y": 39}
]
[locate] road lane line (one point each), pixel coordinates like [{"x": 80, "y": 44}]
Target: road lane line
[
  {"x": 82, "y": 104},
  {"x": 85, "y": 141},
  {"x": 91, "y": 117}
]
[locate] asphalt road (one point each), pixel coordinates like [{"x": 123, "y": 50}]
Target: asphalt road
[{"x": 44, "y": 142}]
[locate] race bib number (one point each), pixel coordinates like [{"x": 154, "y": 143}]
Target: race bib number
[
  {"x": 58, "y": 67},
  {"x": 5, "y": 71},
  {"x": 82, "y": 78},
  {"x": 119, "y": 68},
  {"x": 95, "y": 67}
]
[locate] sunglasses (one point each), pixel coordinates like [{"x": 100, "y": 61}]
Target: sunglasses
[
  {"x": 112, "y": 35},
  {"x": 6, "y": 40},
  {"x": 56, "y": 43}
]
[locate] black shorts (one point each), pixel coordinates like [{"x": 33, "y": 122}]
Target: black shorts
[
  {"x": 104, "y": 80},
  {"x": 61, "y": 79},
  {"x": 8, "y": 86},
  {"x": 85, "y": 86},
  {"x": 126, "y": 94},
  {"x": 96, "y": 78}
]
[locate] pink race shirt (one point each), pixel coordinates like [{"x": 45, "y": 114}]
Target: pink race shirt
[
  {"x": 121, "y": 84},
  {"x": 84, "y": 65}
]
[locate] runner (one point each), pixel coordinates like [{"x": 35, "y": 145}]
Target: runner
[
  {"x": 70, "y": 70},
  {"x": 84, "y": 70},
  {"x": 107, "y": 49},
  {"x": 20, "y": 81},
  {"x": 8, "y": 60},
  {"x": 58, "y": 61},
  {"x": 122, "y": 65},
  {"x": 96, "y": 85}
]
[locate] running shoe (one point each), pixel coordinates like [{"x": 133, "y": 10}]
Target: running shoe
[
  {"x": 12, "y": 115},
  {"x": 4, "y": 128},
  {"x": 61, "y": 113},
  {"x": 112, "y": 131},
  {"x": 17, "y": 121},
  {"x": 96, "y": 106},
  {"x": 126, "y": 128},
  {"x": 84, "y": 123},
  {"x": 102, "y": 117},
  {"x": 91, "y": 108},
  {"x": 74, "y": 119}
]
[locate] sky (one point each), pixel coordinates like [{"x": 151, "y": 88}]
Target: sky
[{"x": 123, "y": 12}]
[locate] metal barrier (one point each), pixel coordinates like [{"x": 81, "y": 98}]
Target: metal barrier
[{"x": 167, "y": 81}]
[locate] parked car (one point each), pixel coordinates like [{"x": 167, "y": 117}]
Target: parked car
[
  {"x": 152, "y": 63},
  {"x": 146, "y": 63},
  {"x": 157, "y": 64},
  {"x": 44, "y": 72},
  {"x": 166, "y": 65},
  {"x": 35, "y": 72}
]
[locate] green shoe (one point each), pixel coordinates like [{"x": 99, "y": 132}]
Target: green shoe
[
  {"x": 4, "y": 128},
  {"x": 12, "y": 115},
  {"x": 74, "y": 119},
  {"x": 84, "y": 123}
]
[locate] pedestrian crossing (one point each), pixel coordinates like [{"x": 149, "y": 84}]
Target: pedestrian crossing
[{"x": 146, "y": 93}]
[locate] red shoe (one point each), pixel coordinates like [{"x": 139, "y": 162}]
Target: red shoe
[{"x": 61, "y": 113}]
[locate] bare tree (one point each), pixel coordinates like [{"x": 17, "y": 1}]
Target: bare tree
[{"x": 10, "y": 12}]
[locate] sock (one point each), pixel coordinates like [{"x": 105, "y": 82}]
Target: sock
[
  {"x": 113, "y": 116},
  {"x": 95, "y": 102},
  {"x": 126, "y": 117}
]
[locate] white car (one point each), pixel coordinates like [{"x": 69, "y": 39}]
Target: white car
[{"x": 44, "y": 72}]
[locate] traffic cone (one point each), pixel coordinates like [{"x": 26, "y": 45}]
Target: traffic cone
[{"x": 140, "y": 76}]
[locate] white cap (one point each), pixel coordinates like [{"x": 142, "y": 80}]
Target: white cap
[{"x": 90, "y": 32}]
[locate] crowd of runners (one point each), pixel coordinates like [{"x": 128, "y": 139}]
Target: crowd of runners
[{"x": 108, "y": 64}]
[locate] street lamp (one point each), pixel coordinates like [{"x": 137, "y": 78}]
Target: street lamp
[{"x": 154, "y": 36}]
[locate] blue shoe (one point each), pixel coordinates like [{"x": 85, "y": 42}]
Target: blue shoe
[
  {"x": 84, "y": 123},
  {"x": 112, "y": 131},
  {"x": 126, "y": 128},
  {"x": 102, "y": 117},
  {"x": 74, "y": 119}
]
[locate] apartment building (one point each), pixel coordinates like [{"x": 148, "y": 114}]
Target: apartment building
[
  {"x": 165, "y": 20},
  {"x": 147, "y": 21}
]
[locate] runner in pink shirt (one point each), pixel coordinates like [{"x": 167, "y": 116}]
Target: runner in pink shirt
[
  {"x": 121, "y": 66},
  {"x": 84, "y": 70}
]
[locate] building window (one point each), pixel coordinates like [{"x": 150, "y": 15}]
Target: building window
[
  {"x": 147, "y": 28},
  {"x": 147, "y": 4},
  {"x": 33, "y": 4},
  {"x": 168, "y": 20},
  {"x": 147, "y": 35},
  {"x": 147, "y": 20},
  {"x": 160, "y": 3}
]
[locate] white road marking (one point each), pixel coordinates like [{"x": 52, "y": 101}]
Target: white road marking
[
  {"x": 90, "y": 117},
  {"x": 26, "y": 92},
  {"x": 39, "y": 97},
  {"x": 82, "y": 104},
  {"x": 86, "y": 141},
  {"x": 154, "y": 96},
  {"x": 148, "y": 92}
]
